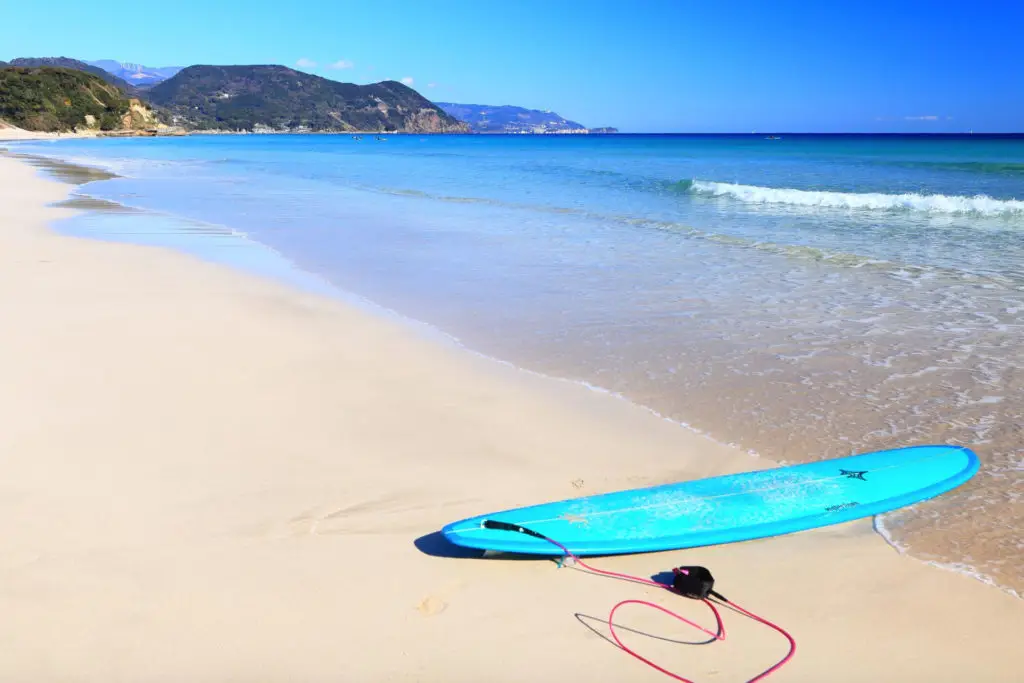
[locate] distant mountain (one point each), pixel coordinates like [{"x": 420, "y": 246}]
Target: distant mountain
[
  {"x": 67, "y": 63},
  {"x": 58, "y": 99},
  {"x": 3, "y": 64},
  {"x": 136, "y": 74},
  {"x": 484, "y": 118},
  {"x": 276, "y": 98}
]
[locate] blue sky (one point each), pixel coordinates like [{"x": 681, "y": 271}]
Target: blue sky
[{"x": 642, "y": 66}]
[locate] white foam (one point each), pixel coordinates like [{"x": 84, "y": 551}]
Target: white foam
[
  {"x": 958, "y": 567},
  {"x": 877, "y": 201}
]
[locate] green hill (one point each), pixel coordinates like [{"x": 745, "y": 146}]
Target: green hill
[
  {"x": 78, "y": 65},
  {"x": 57, "y": 99},
  {"x": 267, "y": 97}
]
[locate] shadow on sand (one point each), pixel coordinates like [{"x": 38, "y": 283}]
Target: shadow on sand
[
  {"x": 435, "y": 545},
  {"x": 593, "y": 623}
]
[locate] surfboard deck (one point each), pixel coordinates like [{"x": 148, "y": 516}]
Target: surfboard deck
[{"x": 727, "y": 509}]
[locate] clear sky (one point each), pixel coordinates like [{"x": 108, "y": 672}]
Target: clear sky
[{"x": 642, "y": 66}]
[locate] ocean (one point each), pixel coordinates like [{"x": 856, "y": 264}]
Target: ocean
[{"x": 801, "y": 298}]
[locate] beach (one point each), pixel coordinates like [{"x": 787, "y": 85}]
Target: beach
[
  {"x": 210, "y": 476},
  {"x": 813, "y": 299}
]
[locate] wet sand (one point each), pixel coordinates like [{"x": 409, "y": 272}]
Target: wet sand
[{"x": 210, "y": 477}]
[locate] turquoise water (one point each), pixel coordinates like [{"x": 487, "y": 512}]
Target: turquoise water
[{"x": 807, "y": 297}]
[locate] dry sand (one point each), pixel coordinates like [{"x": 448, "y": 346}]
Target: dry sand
[
  {"x": 8, "y": 132},
  {"x": 211, "y": 477}
]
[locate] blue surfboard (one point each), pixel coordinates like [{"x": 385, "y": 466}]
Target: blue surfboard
[{"x": 726, "y": 509}]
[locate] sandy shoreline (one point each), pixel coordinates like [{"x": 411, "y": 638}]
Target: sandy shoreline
[{"x": 212, "y": 477}]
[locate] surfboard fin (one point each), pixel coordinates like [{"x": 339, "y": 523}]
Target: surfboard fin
[{"x": 567, "y": 561}]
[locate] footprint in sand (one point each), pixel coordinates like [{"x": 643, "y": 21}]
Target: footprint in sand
[{"x": 431, "y": 605}]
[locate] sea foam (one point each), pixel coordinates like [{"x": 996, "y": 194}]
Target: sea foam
[{"x": 929, "y": 203}]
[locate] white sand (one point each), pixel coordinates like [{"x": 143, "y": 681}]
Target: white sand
[
  {"x": 210, "y": 477},
  {"x": 8, "y": 132}
]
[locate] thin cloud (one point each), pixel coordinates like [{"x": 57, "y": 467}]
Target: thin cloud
[
  {"x": 341, "y": 64},
  {"x": 305, "y": 63},
  {"x": 928, "y": 117},
  {"x": 431, "y": 85},
  {"x": 407, "y": 80}
]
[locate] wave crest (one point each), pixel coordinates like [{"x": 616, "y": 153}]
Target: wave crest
[{"x": 876, "y": 201}]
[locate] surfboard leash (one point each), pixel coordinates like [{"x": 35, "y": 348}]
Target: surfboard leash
[{"x": 692, "y": 582}]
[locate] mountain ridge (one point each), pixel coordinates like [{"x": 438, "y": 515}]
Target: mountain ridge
[
  {"x": 268, "y": 97},
  {"x": 75, "y": 64},
  {"x": 138, "y": 75},
  {"x": 271, "y": 97}
]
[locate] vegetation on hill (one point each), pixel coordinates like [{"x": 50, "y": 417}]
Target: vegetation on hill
[
  {"x": 282, "y": 99},
  {"x": 57, "y": 99},
  {"x": 77, "y": 65}
]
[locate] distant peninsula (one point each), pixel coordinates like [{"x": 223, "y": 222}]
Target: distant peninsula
[
  {"x": 77, "y": 65},
  {"x": 484, "y": 118}
]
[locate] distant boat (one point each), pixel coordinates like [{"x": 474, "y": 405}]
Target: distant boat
[{"x": 773, "y": 137}]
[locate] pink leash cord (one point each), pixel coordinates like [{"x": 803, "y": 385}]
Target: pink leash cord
[{"x": 719, "y": 634}]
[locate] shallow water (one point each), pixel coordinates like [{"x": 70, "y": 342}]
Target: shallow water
[{"x": 803, "y": 298}]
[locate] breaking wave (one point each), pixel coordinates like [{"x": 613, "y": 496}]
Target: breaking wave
[{"x": 982, "y": 205}]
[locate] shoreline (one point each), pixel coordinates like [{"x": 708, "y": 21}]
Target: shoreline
[
  {"x": 961, "y": 568},
  {"x": 253, "y": 474},
  {"x": 80, "y": 175}
]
